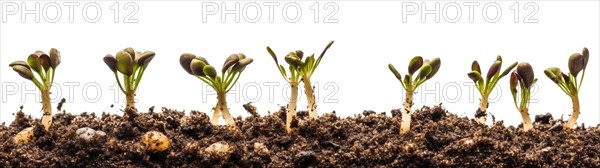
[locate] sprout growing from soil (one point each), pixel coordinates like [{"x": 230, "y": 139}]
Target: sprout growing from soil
[
  {"x": 525, "y": 78},
  {"x": 304, "y": 70},
  {"x": 569, "y": 83},
  {"x": 232, "y": 69},
  {"x": 132, "y": 64},
  {"x": 293, "y": 80},
  {"x": 44, "y": 66},
  {"x": 427, "y": 69},
  {"x": 486, "y": 86},
  {"x": 298, "y": 69}
]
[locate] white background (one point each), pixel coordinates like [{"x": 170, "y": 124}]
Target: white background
[{"x": 368, "y": 36}]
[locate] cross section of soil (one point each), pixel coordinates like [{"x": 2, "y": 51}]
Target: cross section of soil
[{"x": 370, "y": 139}]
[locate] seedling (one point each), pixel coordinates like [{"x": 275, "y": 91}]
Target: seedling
[
  {"x": 485, "y": 87},
  {"x": 525, "y": 78},
  {"x": 45, "y": 67},
  {"x": 132, "y": 64},
  {"x": 304, "y": 69},
  {"x": 427, "y": 69},
  {"x": 569, "y": 83},
  {"x": 232, "y": 69},
  {"x": 293, "y": 80}
]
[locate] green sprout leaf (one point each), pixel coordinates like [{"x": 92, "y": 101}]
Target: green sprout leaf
[
  {"x": 230, "y": 61},
  {"x": 197, "y": 67},
  {"x": 394, "y": 71},
  {"x": 241, "y": 65},
  {"x": 586, "y": 56},
  {"x": 124, "y": 63},
  {"x": 145, "y": 58},
  {"x": 54, "y": 58},
  {"x": 424, "y": 72},
  {"x": 554, "y": 74},
  {"x": 415, "y": 64},
  {"x": 566, "y": 78},
  {"x": 514, "y": 81},
  {"x": 131, "y": 52},
  {"x": 435, "y": 66},
  {"x": 44, "y": 60},
  {"x": 34, "y": 63},
  {"x": 111, "y": 62},
  {"x": 23, "y": 71},
  {"x": 475, "y": 76},
  {"x": 576, "y": 64},
  {"x": 475, "y": 67},
  {"x": 299, "y": 54},
  {"x": 494, "y": 69},
  {"x": 507, "y": 70},
  {"x": 525, "y": 71},
  {"x": 185, "y": 60},
  {"x": 293, "y": 60},
  {"x": 210, "y": 71}
]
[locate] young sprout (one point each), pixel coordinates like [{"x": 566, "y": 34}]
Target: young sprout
[
  {"x": 232, "y": 69},
  {"x": 569, "y": 82},
  {"x": 427, "y": 69},
  {"x": 525, "y": 78},
  {"x": 293, "y": 80},
  {"x": 305, "y": 70},
  {"x": 485, "y": 87},
  {"x": 132, "y": 64},
  {"x": 44, "y": 66}
]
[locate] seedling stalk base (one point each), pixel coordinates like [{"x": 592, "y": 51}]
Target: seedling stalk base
[
  {"x": 130, "y": 98},
  {"x": 571, "y": 123},
  {"x": 222, "y": 109},
  {"x": 406, "y": 118},
  {"x": 47, "y": 109},
  {"x": 483, "y": 105},
  {"x": 291, "y": 109},
  {"x": 527, "y": 125},
  {"x": 312, "y": 105}
]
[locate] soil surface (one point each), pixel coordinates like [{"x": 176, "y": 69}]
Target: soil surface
[{"x": 370, "y": 139}]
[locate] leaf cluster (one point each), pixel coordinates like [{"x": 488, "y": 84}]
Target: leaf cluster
[{"x": 427, "y": 69}]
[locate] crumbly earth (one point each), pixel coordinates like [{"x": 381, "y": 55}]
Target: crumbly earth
[{"x": 437, "y": 139}]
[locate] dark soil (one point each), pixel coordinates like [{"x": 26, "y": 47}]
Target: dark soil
[{"x": 370, "y": 139}]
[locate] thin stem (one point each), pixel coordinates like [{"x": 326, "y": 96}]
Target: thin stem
[
  {"x": 312, "y": 105},
  {"x": 53, "y": 70},
  {"x": 46, "y": 108},
  {"x": 207, "y": 81},
  {"x": 291, "y": 109},
  {"x": 130, "y": 98},
  {"x": 483, "y": 105},
  {"x": 38, "y": 84},
  {"x": 581, "y": 81},
  {"x": 526, "y": 119},
  {"x": 139, "y": 78},
  {"x": 119, "y": 82},
  {"x": 406, "y": 118},
  {"x": 216, "y": 114},
  {"x": 233, "y": 84},
  {"x": 571, "y": 123},
  {"x": 222, "y": 103}
]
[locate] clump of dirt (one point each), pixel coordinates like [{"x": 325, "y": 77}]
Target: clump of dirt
[{"x": 370, "y": 139}]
